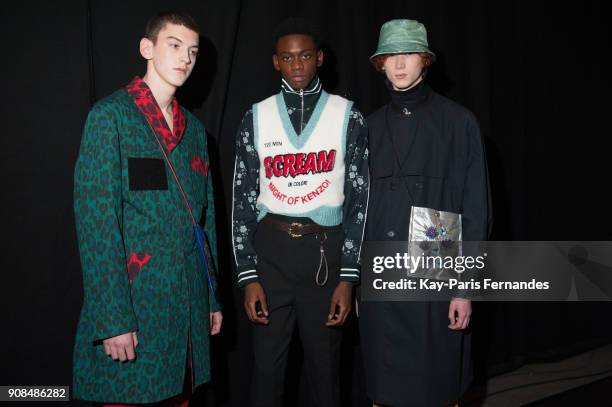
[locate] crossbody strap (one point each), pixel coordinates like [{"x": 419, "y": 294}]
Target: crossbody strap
[
  {"x": 178, "y": 183},
  {"x": 199, "y": 233}
]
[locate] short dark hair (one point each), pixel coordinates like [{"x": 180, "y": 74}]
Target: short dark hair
[
  {"x": 296, "y": 25},
  {"x": 157, "y": 23}
]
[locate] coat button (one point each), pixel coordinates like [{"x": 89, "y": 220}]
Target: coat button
[
  {"x": 418, "y": 185},
  {"x": 392, "y": 186},
  {"x": 390, "y": 233}
]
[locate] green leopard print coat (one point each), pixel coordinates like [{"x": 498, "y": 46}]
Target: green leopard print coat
[{"x": 141, "y": 268}]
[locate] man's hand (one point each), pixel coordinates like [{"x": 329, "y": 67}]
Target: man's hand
[
  {"x": 459, "y": 312},
  {"x": 253, "y": 295},
  {"x": 340, "y": 304},
  {"x": 215, "y": 319},
  {"x": 121, "y": 347}
]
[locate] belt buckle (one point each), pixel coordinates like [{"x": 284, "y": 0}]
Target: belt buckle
[{"x": 291, "y": 232}]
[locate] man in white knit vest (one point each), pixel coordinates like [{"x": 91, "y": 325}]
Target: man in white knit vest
[{"x": 301, "y": 183}]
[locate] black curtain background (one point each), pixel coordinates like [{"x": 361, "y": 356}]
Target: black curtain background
[{"x": 536, "y": 74}]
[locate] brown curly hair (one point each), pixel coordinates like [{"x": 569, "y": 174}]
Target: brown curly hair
[{"x": 379, "y": 61}]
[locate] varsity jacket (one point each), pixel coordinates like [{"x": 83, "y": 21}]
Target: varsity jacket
[{"x": 246, "y": 213}]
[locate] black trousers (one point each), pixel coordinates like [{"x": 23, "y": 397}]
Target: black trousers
[{"x": 287, "y": 267}]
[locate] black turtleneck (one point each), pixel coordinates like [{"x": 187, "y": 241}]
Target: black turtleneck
[
  {"x": 406, "y": 101},
  {"x": 400, "y": 123}
]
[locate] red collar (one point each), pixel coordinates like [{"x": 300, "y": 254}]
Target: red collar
[{"x": 143, "y": 97}]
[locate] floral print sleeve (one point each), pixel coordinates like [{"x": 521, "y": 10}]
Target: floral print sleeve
[
  {"x": 356, "y": 189},
  {"x": 246, "y": 191}
]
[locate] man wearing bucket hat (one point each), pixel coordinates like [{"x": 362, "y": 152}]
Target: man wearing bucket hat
[
  {"x": 426, "y": 153},
  {"x": 403, "y": 37}
]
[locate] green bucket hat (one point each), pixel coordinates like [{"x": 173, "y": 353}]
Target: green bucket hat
[{"x": 402, "y": 36}]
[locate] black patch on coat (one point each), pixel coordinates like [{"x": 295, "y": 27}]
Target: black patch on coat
[{"x": 147, "y": 174}]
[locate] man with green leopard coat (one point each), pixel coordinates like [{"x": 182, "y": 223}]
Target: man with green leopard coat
[{"x": 143, "y": 334}]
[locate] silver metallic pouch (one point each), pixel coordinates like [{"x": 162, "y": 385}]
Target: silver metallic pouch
[{"x": 433, "y": 237}]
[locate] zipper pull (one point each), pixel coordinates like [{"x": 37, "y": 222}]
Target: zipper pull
[{"x": 302, "y": 111}]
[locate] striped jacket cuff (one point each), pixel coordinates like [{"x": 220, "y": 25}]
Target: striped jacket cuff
[
  {"x": 350, "y": 274},
  {"x": 247, "y": 276}
]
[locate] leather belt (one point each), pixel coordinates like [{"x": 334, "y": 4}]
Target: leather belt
[{"x": 294, "y": 229}]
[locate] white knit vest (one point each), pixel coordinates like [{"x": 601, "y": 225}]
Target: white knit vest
[{"x": 302, "y": 175}]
